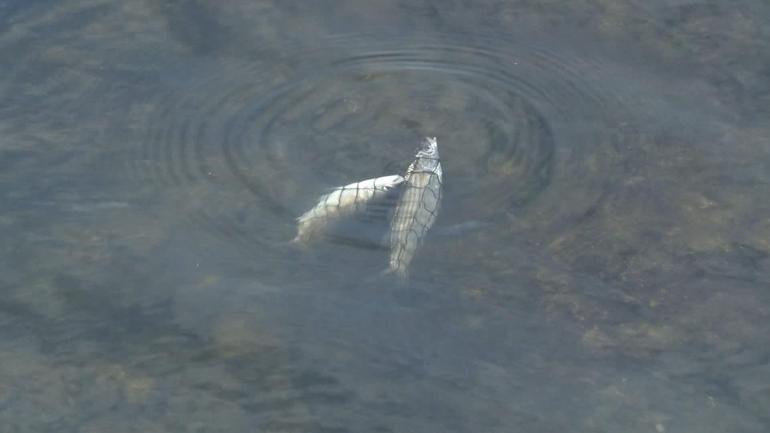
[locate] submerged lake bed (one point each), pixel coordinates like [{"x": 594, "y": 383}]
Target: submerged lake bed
[{"x": 607, "y": 163}]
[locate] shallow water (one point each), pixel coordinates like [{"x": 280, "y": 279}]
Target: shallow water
[{"x": 611, "y": 159}]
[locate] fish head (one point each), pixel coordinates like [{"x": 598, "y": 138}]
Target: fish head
[{"x": 427, "y": 158}]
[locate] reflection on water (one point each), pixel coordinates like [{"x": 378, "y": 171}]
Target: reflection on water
[{"x": 611, "y": 158}]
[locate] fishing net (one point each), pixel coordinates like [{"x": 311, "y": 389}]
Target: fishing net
[
  {"x": 414, "y": 215},
  {"x": 358, "y": 213},
  {"x": 389, "y": 212}
]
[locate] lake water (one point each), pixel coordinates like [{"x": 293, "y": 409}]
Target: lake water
[{"x": 609, "y": 159}]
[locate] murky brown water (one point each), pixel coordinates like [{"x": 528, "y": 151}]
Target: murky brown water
[{"x": 611, "y": 158}]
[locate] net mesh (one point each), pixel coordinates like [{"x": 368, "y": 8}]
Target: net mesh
[
  {"x": 390, "y": 211},
  {"x": 353, "y": 213},
  {"x": 414, "y": 215}
]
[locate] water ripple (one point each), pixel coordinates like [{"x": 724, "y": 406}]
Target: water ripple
[{"x": 243, "y": 152}]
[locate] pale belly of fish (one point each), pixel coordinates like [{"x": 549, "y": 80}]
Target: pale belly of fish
[{"x": 358, "y": 199}]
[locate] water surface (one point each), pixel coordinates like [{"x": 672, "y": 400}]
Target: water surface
[{"x": 611, "y": 159}]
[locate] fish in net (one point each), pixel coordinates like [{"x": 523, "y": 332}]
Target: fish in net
[
  {"x": 410, "y": 203},
  {"x": 417, "y": 208},
  {"x": 362, "y": 202}
]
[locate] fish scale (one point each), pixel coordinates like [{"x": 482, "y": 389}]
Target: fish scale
[
  {"x": 418, "y": 207},
  {"x": 353, "y": 200}
]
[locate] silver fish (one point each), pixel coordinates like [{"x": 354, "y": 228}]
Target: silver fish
[
  {"x": 342, "y": 202},
  {"x": 417, "y": 209}
]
